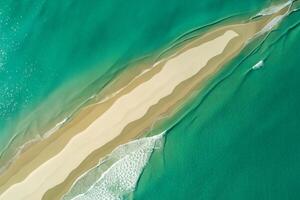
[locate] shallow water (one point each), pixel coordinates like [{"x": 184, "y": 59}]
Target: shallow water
[
  {"x": 237, "y": 139},
  {"x": 80, "y": 46}
]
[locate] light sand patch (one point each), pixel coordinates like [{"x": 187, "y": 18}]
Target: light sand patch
[
  {"x": 127, "y": 109},
  {"x": 56, "y": 162}
]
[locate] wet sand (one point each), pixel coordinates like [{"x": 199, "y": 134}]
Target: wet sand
[{"x": 47, "y": 169}]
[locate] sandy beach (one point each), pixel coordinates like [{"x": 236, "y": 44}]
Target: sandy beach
[{"x": 47, "y": 169}]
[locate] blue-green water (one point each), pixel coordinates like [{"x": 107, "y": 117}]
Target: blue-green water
[
  {"x": 55, "y": 55},
  {"x": 237, "y": 140},
  {"x": 241, "y": 141}
]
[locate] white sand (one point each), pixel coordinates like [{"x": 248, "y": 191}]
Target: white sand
[{"x": 108, "y": 126}]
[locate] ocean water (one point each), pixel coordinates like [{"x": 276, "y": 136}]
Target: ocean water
[
  {"x": 236, "y": 140},
  {"x": 55, "y": 55},
  {"x": 240, "y": 138}
]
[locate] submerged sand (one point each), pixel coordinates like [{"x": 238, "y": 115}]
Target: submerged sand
[{"x": 47, "y": 169}]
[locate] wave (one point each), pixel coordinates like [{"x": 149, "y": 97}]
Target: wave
[
  {"x": 274, "y": 9},
  {"x": 275, "y": 21},
  {"x": 126, "y": 163},
  {"x": 258, "y": 65},
  {"x": 15, "y": 146}
]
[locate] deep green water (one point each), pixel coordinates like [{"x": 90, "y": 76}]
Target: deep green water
[
  {"x": 54, "y": 55},
  {"x": 240, "y": 139}
]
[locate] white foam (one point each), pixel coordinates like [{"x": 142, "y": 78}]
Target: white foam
[
  {"x": 55, "y": 128},
  {"x": 121, "y": 178},
  {"x": 258, "y": 65},
  {"x": 274, "y": 9},
  {"x": 275, "y": 21}
]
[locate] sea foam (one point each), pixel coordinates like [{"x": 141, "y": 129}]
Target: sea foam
[
  {"x": 121, "y": 177},
  {"x": 258, "y": 65},
  {"x": 275, "y": 21},
  {"x": 274, "y": 9},
  {"x": 267, "y": 28}
]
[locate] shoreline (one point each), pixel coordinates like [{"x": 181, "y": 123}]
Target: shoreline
[{"x": 132, "y": 129}]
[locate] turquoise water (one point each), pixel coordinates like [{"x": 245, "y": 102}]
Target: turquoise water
[
  {"x": 237, "y": 140},
  {"x": 54, "y": 55},
  {"x": 241, "y": 140}
]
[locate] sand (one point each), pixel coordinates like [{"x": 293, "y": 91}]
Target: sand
[{"x": 50, "y": 167}]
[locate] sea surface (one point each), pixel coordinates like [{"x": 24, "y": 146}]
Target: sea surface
[
  {"x": 240, "y": 138},
  {"x": 237, "y": 139},
  {"x": 55, "y": 55}
]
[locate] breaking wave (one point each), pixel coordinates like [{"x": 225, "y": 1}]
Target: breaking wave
[{"x": 126, "y": 163}]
